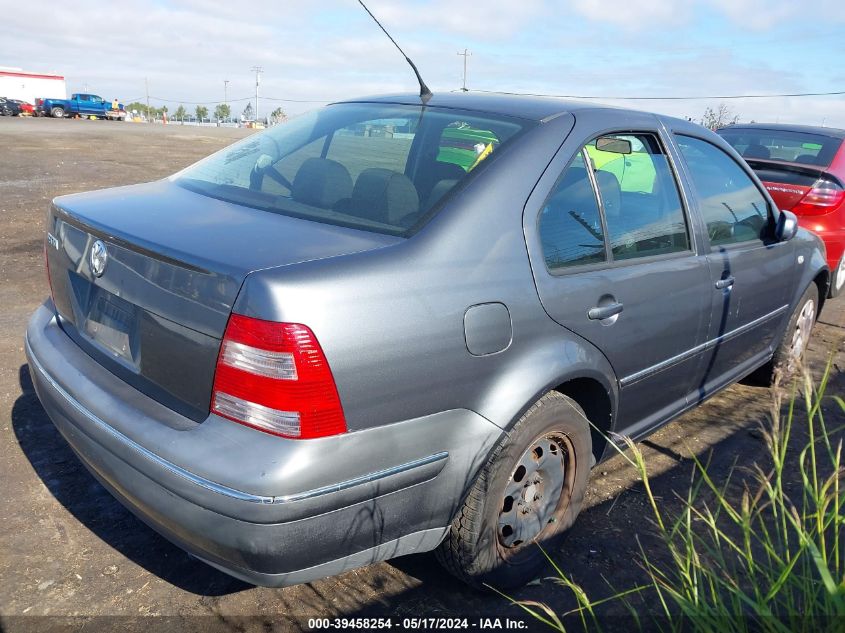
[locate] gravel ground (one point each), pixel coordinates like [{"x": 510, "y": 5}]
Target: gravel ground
[{"x": 69, "y": 549}]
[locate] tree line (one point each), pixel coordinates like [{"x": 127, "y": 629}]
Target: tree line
[{"x": 222, "y": 111}]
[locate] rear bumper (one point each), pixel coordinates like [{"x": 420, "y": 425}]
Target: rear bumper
[{"x": 267, "y": 510}]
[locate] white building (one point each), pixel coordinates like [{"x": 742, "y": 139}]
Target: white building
[{"x": 16, "y": 83}]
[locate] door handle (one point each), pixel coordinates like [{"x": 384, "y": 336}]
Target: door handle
[
  {"x": 605, "y": 312},
  {"x": 727, "y": 282}
]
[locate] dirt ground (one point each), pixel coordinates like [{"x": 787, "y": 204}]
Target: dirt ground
[{"x": 69, "y": 549}]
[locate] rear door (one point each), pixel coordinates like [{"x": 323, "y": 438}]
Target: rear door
[
  {"x": 615, "y": 262},
  {"x": 82, "y": 104},
  {"x": 751, "y": 274}
]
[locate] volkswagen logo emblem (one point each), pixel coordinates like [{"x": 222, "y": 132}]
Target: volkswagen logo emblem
[{"x": 98, "y": 258}]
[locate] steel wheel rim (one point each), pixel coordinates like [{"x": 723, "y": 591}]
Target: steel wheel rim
[
  {"x": 840, "y": 274},
  {"x": 535, "y": 491},
  {"x": 801, "y": 334}
]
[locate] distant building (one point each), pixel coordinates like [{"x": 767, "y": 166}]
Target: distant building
[{"x": 16, "y": 83}]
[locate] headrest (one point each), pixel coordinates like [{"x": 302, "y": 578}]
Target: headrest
[
  {"x": 321, "y": 182},
  {"x": 383, "y": 195},
  {"x": 755, "y": 150}
]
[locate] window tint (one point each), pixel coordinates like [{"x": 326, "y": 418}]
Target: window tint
[
  {"x": 732, "y": 206},
  {"x": 368, "y": 166},
  {"x": 570, "y": 225},
  {"x": 641, "y": 202}
]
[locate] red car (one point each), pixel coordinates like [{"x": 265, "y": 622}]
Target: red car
[
  {"x": 803, "y": 168},
  {"x": 27, "y": 109}
]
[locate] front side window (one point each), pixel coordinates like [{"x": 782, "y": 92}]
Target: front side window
[
  {"x": 640, "y": 197},
  {"x": 731, "y": 205},
  {"x": 570, "y": 225},
  {"x": 376, "y": 167}
]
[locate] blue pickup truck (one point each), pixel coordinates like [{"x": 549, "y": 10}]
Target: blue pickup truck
[{"x": 84, "y": 105}]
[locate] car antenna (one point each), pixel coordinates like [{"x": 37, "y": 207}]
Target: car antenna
[{"x": 425, "y": 92}]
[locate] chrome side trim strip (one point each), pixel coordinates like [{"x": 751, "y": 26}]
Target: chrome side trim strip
[
  {"x": 627, "y": 380},
  {"x": 219, "y": 488}
]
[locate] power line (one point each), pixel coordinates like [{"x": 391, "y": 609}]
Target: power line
[
  {"x": 183, "y": 101},
  {"x": 300, "y": 100},
  {"x": 674, "y": 98}
]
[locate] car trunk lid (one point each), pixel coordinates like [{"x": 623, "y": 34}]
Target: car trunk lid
[
  {"x": 175, "y": 261},
  {"x": 787, "y": 183}
]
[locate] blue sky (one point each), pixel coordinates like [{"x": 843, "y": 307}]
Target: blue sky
[{"x": 318, "y": 51}]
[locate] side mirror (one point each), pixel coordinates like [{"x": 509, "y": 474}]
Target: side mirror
[{"x": 786, "y": 227}]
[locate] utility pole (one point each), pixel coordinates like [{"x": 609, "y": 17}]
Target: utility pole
[
  {"x": 257, "y": 70},
  {"x": 465, "y": 54},
  {"x": 225, "y": 92},
  {"x": 147, "y": 89}
]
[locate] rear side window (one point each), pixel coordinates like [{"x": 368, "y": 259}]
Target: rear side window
[
  {"x": 731, "y": 205},
  {"x": 782, "y": 145},
  {"x": 570, "y": 225},
  {"x": 375, "y": 167},
  {"x": 640, "y": 198}
]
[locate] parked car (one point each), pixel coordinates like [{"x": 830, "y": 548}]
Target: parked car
[
  {"x": 803, "y": 168},
  {"x": 320, "y": 348},
  {"x": 8, "y": 107},
  {"x": 85, "y": 105},
  {"x": 26, "y": 109}
]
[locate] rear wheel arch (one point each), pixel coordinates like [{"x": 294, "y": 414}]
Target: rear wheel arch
[
  {"x": 589, "y": 388},
  {"x": 822, "y": 280},
  {"x": 598, "y": 405}
]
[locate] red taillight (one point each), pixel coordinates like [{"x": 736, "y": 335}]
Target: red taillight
[
  {"x": 824, "y": 197},
  {"x": 274, "y": 377}
]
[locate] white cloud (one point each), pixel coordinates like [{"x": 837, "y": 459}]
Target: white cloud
[
  {"x": 633, "y": 14},
  {"x": 759, "y": 14},
  {"x": 488, "y": 19}
]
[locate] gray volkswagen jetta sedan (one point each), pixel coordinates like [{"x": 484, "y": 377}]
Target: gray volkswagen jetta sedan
[{"x": 393, "y": 326}]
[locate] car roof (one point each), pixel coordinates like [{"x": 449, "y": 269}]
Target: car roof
[
  {"x": 786, "y": 127},
  {"x": 520, "y": 106}
]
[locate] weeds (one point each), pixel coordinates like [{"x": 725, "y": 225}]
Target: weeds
[{"x": 760, "y": 554}]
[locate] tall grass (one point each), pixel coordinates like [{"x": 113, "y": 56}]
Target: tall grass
[{"x": 761, "y": 550}]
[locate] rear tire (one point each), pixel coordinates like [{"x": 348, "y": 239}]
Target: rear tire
[
  {"x": 57, "y": 113},
  {"x": 530, "y": 491},
  {"x": 837, "y": 279}
]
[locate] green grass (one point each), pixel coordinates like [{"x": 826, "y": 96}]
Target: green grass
[{"x": 757, "y": 550}]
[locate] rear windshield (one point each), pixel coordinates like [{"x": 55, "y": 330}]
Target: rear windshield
[
  {"x": 783, "y": 145},
  {"x": 376, "y": 167}
]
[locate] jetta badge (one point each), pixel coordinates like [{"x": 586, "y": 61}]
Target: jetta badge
[{"x": 98, "y": 258}]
